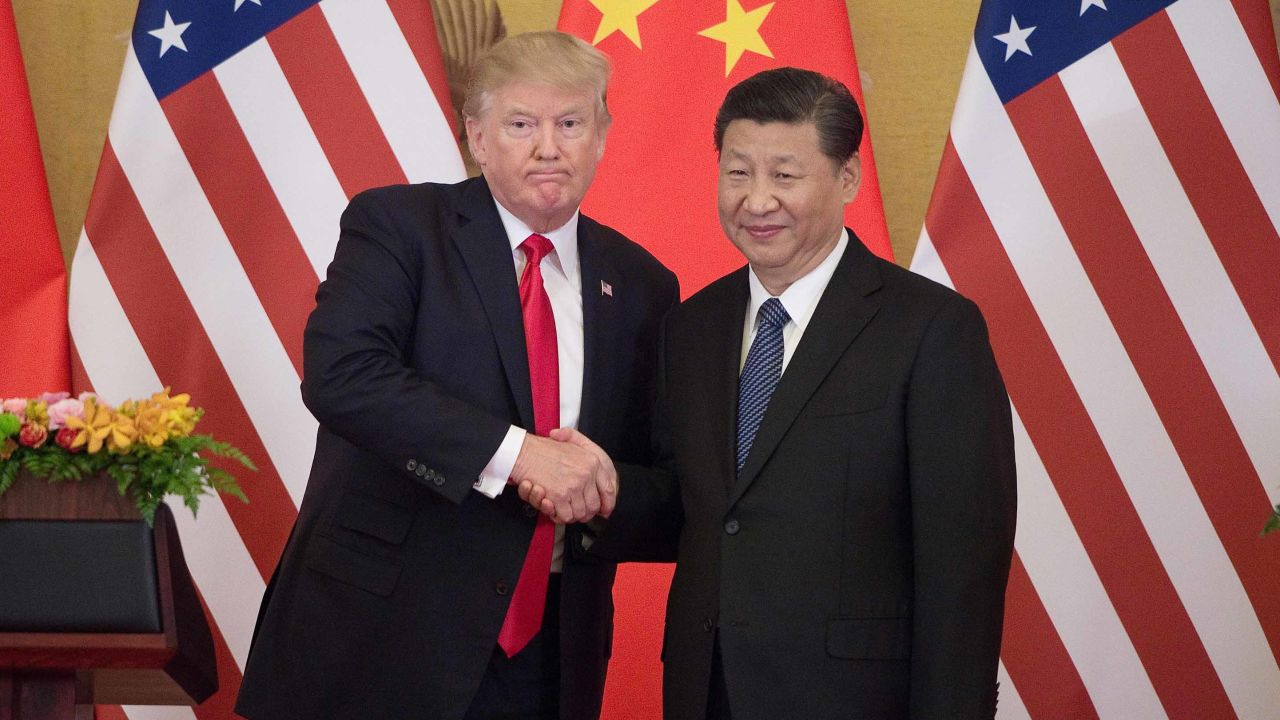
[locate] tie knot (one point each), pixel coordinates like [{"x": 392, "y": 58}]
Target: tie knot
[
  {"x": 536, "y": 247},
  {"x": 773, "y": 313}
]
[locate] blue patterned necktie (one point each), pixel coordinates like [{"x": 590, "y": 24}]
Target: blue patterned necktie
[{"x": 760, "y": 374}]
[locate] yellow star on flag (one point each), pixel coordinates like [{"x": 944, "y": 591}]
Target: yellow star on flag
[
  {"x": 620, "y": 16},
  {"x": 739, "y": 32}
]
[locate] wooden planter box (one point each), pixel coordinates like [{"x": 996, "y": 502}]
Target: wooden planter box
[
  {"x": 100, "y": 608},
  {"x": 91, "y": 499}
]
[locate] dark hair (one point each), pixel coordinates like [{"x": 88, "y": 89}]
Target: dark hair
[{"x": 792, "y": 95}]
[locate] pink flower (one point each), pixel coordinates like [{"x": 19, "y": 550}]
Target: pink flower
[
  {"x": 50, "y": 398},
  {"x": 17, "y": 406},
  {"x": 33, "y": 435},
  {"x": 62, "y": 409},
  {"x": 86, "y": 395}
]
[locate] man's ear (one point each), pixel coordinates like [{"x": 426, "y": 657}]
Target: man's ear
[
  {"x": 475, "y": 139},
  {"x": 602, "y": 136},
  {"x": 850, "y": 178}
]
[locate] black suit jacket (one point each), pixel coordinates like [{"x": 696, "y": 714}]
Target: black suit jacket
[
  {"x": 390, "y": 594},
  {"x": 856, "y": 568}
]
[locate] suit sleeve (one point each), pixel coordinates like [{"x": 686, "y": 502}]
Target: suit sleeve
[
  {"x": 963, "y": 495},
  {"x": 357, "y": 378},
  {"x": 645, "y": 524}
]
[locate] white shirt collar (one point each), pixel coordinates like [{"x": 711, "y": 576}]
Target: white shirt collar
[
  {"x": 801, "y": 298},
  {"x": 564, "y": 239}
]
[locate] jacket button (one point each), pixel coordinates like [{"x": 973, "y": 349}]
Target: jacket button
[
  {"x": 501, "y": 588},
  {"x": 411, "y": 465},
  {"x": 438, "y": 480},
  {"x": 707, "y": 625},
  {"x": 421, "y": 471},
  {"x": 732, "y": 527}
]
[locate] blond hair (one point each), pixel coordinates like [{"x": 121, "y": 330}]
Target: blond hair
[{"x": 547, "y": 57}]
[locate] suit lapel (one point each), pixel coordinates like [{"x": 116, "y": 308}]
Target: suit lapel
[
  {"x": 599, "y": 325},
  {"x": 843, "y": 311},
  {"x": 482, "y": 241},
  {"x": 720, "y": 367}
]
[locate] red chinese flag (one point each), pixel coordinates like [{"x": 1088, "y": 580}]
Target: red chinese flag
[
  {"x": 33, "y": 278},
  {"x": 673, "y": 64}
]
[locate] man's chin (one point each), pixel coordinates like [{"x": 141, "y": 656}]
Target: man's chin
[
  {"x": 549, "y": 216},
  {"x": 549, "y": 195}
]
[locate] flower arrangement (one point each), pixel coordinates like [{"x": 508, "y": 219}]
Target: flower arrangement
[{"x": 145, "y": 446}]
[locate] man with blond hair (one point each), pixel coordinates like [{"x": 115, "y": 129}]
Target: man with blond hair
[{"x": 457, "y": 326}]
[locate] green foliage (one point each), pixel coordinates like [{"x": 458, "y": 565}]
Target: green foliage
[
  {"x": 179, "y": 467},
  {"x": 9, "y": 425},
  {"x": 1273, "y": 523},
  {"x": 8, "y": 471}
]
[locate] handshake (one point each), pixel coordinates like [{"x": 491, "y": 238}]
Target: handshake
[{"x": 566, "y": 476}]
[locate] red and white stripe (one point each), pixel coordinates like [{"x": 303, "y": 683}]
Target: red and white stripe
[
  {"x": 213, "y": 217},
  {"x": 1118, "y": 226}
]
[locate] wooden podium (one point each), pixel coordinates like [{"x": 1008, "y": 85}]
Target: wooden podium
[{"x": 72, "y": 632}]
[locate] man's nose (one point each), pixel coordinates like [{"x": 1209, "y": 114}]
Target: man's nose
[
  {"x": 545, "y": 146},
  {"x": 761, "y": 198}
]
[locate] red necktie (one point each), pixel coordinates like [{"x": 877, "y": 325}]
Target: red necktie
[{"x": 524, "y": 615}]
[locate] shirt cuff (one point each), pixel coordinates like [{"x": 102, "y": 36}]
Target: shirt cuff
[{"x": 493, "y": 478}]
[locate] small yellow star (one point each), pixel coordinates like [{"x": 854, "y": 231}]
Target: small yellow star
[
  {"x": 620, "y": 16},
  {"x": 740, "y": 32}
]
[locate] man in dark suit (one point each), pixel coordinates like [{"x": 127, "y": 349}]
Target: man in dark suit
[
  {"x": 457, "y": 325},
  {"x": 839, "y": 490}
]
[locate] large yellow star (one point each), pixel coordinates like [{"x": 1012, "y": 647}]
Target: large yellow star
[
  {"x": 620, "y": 15},
  {"x": 739, "y": 32}
]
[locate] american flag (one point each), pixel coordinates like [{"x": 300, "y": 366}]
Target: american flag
[
  {"x": 240, "y": 130},
  {"x": 1110, "y": 195}
]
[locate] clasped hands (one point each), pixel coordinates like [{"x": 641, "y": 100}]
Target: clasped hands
[{"x": 566, "y": 476}]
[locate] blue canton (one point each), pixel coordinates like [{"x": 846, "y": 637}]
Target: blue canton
[
  {"x": 217, "y": 31},
  {"x": 1063, "y": 34}
]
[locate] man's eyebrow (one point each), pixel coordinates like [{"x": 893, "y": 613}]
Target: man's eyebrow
[
  {"x": 779, "y": 158},
  {"x": 520, "y": 110}
]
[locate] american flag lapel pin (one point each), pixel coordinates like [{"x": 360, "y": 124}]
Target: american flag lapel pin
[{"x": 606, "y": 288}]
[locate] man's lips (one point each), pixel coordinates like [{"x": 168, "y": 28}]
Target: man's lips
[
  {"x": 762, "y": 232},
  {"x": 542, "y": 175}
]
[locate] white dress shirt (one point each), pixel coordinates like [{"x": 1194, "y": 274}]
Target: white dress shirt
[
  {"x": 561, "y": 277},
  {"x": 799, "y": 300}
]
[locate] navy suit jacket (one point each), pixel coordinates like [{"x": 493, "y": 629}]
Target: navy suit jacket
[{"x": 389, "y": 596}]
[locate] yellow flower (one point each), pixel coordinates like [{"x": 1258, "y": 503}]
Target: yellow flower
[
  {"x": 149, "y": 422},
  {"x": 128, "y": 408},
  {"x": 37, "y": 412},
  {"x": 123, "y": 433},
  {"x": 94, "y": 428},
  {"x": 178, "y": 418},
  {"x": 152, "y": 422}
]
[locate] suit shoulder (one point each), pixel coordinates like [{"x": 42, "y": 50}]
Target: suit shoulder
[
  {"x": 916, "y": 289},
  {"x": 394, "y": 199},
  {"x": 629, "y": 255},
  {"x": 400, "y": 220},
  {"x": 703, "y": 310},
  {"x": 411, "y": 213},
  {"x": 726, "y": 288}
]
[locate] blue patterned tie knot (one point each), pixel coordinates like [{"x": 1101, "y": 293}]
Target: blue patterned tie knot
[{"x": 760, "y": 374}]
